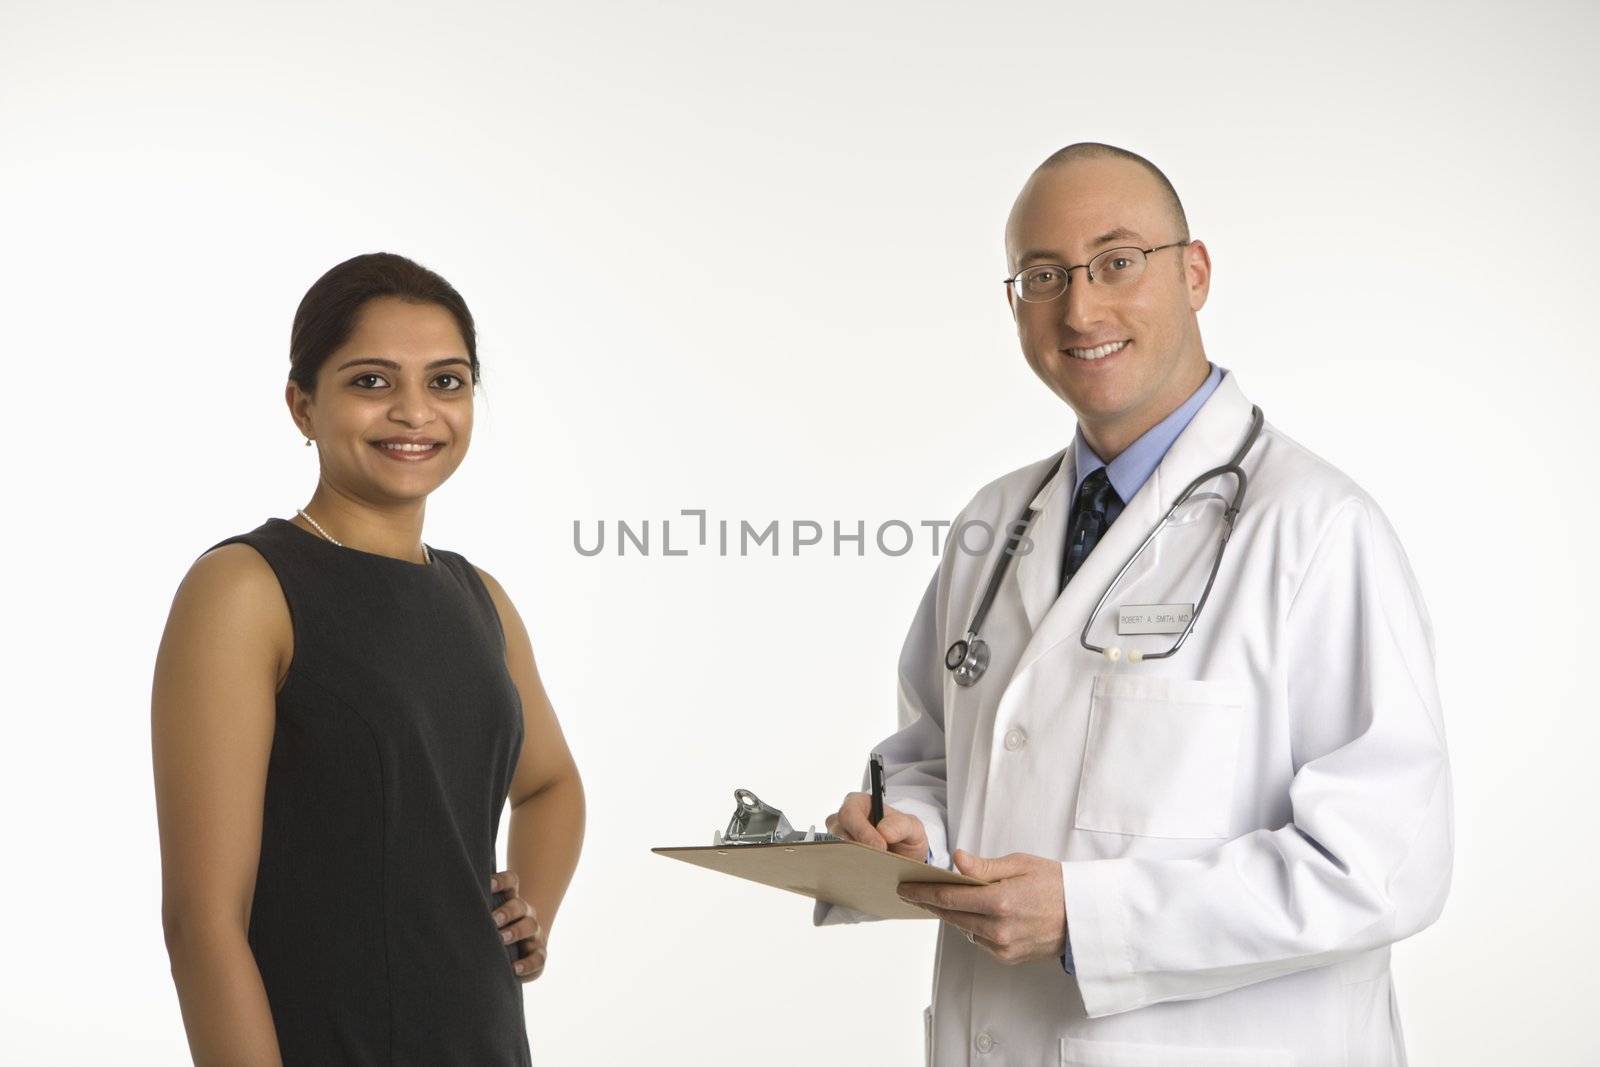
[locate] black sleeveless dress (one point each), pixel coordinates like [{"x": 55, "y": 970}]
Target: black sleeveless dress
[{"x": 398, "y": 729}]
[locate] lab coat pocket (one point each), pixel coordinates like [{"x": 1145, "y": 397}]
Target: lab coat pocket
[
  {"x": 1076, "y": 1052},
  {"x": 1160, "y": 757}
]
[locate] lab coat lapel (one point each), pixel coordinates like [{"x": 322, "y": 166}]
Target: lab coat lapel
[
  {"x": 1036, "y": 576},
  {"x": 1211, "y": 437}
]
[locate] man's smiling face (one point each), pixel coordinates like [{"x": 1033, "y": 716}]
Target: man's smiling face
[{"x": 1065, "y": 215}]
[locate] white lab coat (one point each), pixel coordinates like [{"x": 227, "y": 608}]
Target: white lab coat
[{"x": 1244, "y": 828}]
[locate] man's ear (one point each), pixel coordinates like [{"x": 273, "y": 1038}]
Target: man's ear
[{"x": 1197, "y": 273}]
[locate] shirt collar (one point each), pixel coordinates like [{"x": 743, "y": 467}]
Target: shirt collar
[{"x": 1133, "y": 467}]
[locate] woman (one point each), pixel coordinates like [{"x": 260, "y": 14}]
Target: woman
[{"x": 340, "y": 712}]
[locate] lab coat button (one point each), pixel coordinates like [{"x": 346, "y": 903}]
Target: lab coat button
[
  {"x": 984, "y": 1041},
  {"x": 1015, "y": 739}
]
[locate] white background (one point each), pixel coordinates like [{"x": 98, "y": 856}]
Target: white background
[{"x": 746, "y": 257}]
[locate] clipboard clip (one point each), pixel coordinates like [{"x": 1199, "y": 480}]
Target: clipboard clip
[{"x": 756, "y": 822}]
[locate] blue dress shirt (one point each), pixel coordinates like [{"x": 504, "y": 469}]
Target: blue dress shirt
[{"x": 1128, "y": 473}]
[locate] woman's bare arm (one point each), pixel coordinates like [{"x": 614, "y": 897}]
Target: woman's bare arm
[
  {"x": 547, "y": 806},
  {"x": 212, "y": 714}
]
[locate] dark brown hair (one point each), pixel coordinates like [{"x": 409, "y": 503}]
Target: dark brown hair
[{"x": 327, "y": 313}]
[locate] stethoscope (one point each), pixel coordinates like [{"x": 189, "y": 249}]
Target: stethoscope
[{"x": 968, "y": 658}]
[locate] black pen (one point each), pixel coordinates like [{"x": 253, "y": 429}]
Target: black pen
[{"x": 875, "y": 767}]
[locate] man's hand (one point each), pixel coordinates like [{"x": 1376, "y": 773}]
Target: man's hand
[
  {"x": 1021, "y": 915},
  {"x": 896, "y": 832},
  {"x": 518, "y": 924}
]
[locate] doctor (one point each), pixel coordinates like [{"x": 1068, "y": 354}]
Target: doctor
[{"x": 1194, "y": 860}]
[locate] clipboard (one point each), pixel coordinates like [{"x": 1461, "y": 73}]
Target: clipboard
[{"x": 760, "y": 846}]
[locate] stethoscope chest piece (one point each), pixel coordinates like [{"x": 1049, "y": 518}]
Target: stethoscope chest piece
[{"x": 968, "y": 659}]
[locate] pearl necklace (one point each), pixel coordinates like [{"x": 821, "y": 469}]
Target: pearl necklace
[{"x": 425, "y": 553}]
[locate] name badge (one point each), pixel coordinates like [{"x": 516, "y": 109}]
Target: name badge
[{"x": 1154, "y": 618}]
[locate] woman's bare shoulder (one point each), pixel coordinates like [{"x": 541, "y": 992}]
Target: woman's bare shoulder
[
  {"x": 510, "y": 619},
  {"x": 230, "y": 598}
]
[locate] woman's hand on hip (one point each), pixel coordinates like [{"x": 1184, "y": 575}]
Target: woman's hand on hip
[{"x": 519, "y": 925}]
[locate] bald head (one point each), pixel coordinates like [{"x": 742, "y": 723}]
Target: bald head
[
  {"x": 1093, "y": 179},
  {"x": 1088, "y": 150}
]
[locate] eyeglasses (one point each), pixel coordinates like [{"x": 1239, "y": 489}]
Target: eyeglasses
[{"x": 1115, "y": 268}]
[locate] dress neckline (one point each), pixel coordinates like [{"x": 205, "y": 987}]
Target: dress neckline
[{"x": 433, "y": 553}]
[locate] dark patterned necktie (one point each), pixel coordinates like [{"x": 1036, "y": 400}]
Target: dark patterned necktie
[{"x": 1088, "y": 521}]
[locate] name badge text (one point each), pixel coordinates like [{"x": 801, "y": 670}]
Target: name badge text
[{"x": 1154, "y": 618}]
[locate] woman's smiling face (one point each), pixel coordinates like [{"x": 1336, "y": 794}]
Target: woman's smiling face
[{"x": 402, "y": 378}]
